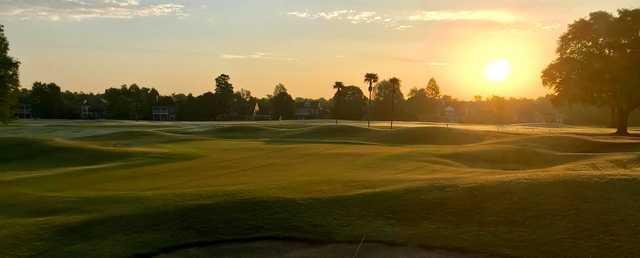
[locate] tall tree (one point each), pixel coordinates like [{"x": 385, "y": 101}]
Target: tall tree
[
  {"x": 223, "y": 95},
  {"x": 243, "y": 104},
  {"x": 386, "y": 95},
  {"x": 9, "y": 79},
  {"x": 370, "y": 78},
  {"x": 349, "y": 103},
  {"x": 338, "y": 102},
  {"x": 423, "y": 104},
  {"x": 433, "y": 89},
  {"x": 395, "y": 84},
  {"x": 280, "y": 88},
  {"x": 47, "y": 100},
  {"x": 282, "y": 104},
  {"x": 417, "y": 104},
  {"x": 131, "y": 102},
  {"x": 597, "y": 63}
]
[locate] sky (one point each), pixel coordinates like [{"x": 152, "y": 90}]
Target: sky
[{"x": 180, "y": 46}]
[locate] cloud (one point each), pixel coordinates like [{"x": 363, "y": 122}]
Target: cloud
[
  {"x": 403, "y": 27},
  {"x": 78, "y": 10},
  {"x": 256, "y": 56},
  {"x": 475, "y": 15},
  {"x": 403, "y": 22},
  {"x": 121, "y": 2},
  {"x": 351, "y": 16}
]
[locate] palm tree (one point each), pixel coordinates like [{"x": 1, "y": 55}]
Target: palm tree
[
  {"x": 395, "y": 83},
  {"x": 339, "y": 86},
  {"x": 370, "y": 78}
]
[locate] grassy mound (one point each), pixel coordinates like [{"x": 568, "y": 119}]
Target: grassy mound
[
  {"x": 241, "y": 132},
  {"x": 511, "y": 158},
  {"x": 434, "y": 136},
  {"x": 401, "y": 136},
  {"x": 574, "y": 144},
  {"x": 134, "y": 138},
  {"x": 348, "y": 134},
  {"x": 331, "y": 133},
  {"x": 23, "y": 154}
]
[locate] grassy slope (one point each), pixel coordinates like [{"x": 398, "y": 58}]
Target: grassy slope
[{"x": 503, "y": 194}]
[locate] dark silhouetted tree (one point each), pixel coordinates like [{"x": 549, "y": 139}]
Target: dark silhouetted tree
[
  {"x": 417, "y": 104},
  {"x": 337, "y": 102},
  {"x": 223, "y": 95},
  {"x": 395, "y": 84},
  {"x": 243, "y": 104},
  {"x": 280, "y": 88},
  {"x": 349, "y": 103},
  {"x": 387, "y": 95},
  {"x": 597, "y": 63},
  {"x": 371, "y": 79},
  {"x": 9, "y": 79},
  {"x": 47, "y": 100},
  {"x": 131, "y": 102},
  {"x": 423, "y": 104},
  {"x": 282, "y": 104},
  {"x": 433, "y": 89}
]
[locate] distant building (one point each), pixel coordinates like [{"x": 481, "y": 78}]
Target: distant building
[
  {"x": 450, "y": 114},
  {"x": 256, "y": 114},
  {"x": 308, "y": 111},
  {"x": 24, "y": 111},
  {"x": 256, "y": 109},
  {"x": 163, "y": 113},
  {"x": 260, "y": 113},
  {"x": 93, "y": 109}
]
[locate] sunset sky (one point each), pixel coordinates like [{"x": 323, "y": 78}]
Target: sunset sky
[{"x": 180, "y": 46}]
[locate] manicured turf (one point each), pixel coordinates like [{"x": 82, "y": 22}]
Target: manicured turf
[{"x": 120, "y": 189}]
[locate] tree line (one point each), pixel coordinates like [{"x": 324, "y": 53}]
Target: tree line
[
  {"x": 426, "y": 104},
  {"x": 135, "y": 102}
]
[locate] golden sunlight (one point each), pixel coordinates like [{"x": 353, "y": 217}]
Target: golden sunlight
[{"x": 498, "y": 70}]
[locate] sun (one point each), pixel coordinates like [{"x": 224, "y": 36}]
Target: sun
[{"x": 498, "y": 70}]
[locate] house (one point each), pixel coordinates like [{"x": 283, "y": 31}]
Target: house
[
  {"x": 24, "y": 111},
  {"x": 256, "y": 110},
  {"x": 93, "y": 109},
  {"x": 308, "y": 110},
  {"x": 450, "y": 114},
  {"x": 163, "y": 113},
  {"x": 258, "y": 114}
]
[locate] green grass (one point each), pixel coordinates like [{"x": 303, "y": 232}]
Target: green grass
[
  {"x": 137, "y": 190},
  {"x": 25, "y": 154}
]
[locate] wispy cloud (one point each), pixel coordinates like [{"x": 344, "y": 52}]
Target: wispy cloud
[
  {"x": 352, "y": 16},
  {"x": 475, "y": 15},
  {"x": 78, "y": 10},
  {"x": 404, "y": 22},
  {"x": 403, "y": 27},
  {"x": 256, "y": 56}
]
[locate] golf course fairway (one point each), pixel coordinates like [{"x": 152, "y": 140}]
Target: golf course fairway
[{"x": 127, "y": 189}]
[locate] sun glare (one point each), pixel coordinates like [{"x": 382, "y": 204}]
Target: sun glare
[{"x": 498, "y": 70}]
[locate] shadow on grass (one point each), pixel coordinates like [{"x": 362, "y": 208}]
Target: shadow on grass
[{"x": 564, "y": 217}]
